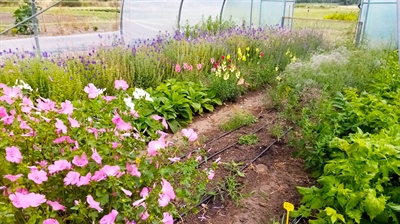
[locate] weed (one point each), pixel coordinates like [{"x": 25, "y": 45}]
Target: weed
[
  {"x": 277, "y": 131},
  {"x": 249, "y": 139},
  {"x": 239, "y": 118}
]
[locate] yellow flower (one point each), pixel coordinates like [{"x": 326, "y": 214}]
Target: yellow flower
[
  {"x": 276, "y": 68},
  {"x": 228, "y": 56},
  {"x": 287, "y": 52},
  {"x": 247, "y": 49},
  {"x": 244, "y": 58},
  {"x": 294, "y": 59},
  {"x": 278, "y": 78},
  {"x": 226, "y": 76},
  {"x": 238, "y": 74},
  {"x": 257, "y": 50},
  {"x": 137, "y": 160}
]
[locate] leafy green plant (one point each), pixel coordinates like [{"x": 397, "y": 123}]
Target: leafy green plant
[
  {"x": 177, "y": 102},
  {"x": 23, "y": 12},
  {"x": 249, "y": 139},
  {"x": 350, "y": 16},
  {"x": 238, "y": 119}
]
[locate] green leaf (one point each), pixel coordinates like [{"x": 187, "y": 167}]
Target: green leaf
[
  {"x": 393, "y": 206},
  {"x": 373, "y": 205}
]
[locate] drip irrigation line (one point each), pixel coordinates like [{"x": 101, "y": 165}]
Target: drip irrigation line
[
  {"x": 228, "y": 147},
  {"x": 209, "y": 196}
]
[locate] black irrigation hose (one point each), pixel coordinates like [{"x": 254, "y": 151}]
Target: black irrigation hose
[
  {"x": 209, "y": 196},
  {"x": 229, "y": 146}
]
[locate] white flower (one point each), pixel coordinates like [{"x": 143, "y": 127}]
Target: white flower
[
  {"x": 129, "y": 103},
  {"x": 139, "y": 93},
  {"x": 22, "y": 85}
]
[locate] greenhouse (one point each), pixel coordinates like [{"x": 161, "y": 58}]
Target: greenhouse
[{"x": 199, "y": 111}]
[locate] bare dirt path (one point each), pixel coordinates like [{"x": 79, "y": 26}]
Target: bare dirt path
[{"x": 270, "y": 180}]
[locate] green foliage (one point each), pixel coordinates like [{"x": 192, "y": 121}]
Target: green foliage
[
  {"x": 23, "y": 12},
  {"x": 238, "y": 119},
  {"x": 249, "y": 139},
  {"x": 209, "y": 26},
  {"x": 177, "y": 102},
  {"x": 350, "y": 16},
  {"x": 355, "y": 153}
]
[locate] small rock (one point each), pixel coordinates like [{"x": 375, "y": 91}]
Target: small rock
[{"x": 261, "y": 168}]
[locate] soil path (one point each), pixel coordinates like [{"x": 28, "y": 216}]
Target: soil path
[{"x": 270, "y": 181}]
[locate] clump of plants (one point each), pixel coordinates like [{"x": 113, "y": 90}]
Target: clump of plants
[
  {"x": 249, "y": 139},
  {"x": 238, "y": 119},
  {"x": 92, "y": 160},
  {"x": 344, "y": 16},
  {"x": 23, "y": 12}
]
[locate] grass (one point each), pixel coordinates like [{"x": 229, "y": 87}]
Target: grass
[
  {"x": 249, "y": 139},
  {"x": 321, "y": 12},
  {"x": 239, "y": 118}
]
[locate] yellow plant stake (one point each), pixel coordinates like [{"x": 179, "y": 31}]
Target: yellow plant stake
[{"x": 289, "y": 207}]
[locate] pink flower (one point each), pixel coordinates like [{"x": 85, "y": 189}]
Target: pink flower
[
  {"x": 93, "y": 204},
  {"x": 121, "y": 84},
  {"x": 74, "y": 123},
  {"x": 92, "y": 91},
  {"x": 138, "y": 202},
  {"x": 144, "y": 215},
  {"x": 212, "y": 60},
  {"x": 13, "y": 178},
  {"x": 13, "y": 154},
  {"x": 133, "y": 170},
  {"x": 35, "y": 199},
  {"x": 46, "y": 105},
  {"x": 3, "y": 112},
  {"x": 177, "y": 68},
  {"x": 27, "y": 105},
  {"x": 210, "y": 174},
  {"x": 110, "y": 218},
  {"x": 10, "y": 94},
  {"x": 37, "y": 176},
  {"x": 163, "y": 121},
  {"x": 59, "y": 165},
  {"x": 84, "y": 180},
  {"x": 19, "y": 200},
  {"x": 145, "y": 192},
  {"x": 199, "y": 66},
  {"x": 175, "y": 159},
  {"x": 127, "y": 192},
  {"x": 163, "y": 200},
  {"x": 66, "y": 108},
  {"x": 154, "y": 146},
  {"x": 121, "y": 125},
  {"x": 95, "y": 156},
  {"x": 71, "y": 178},
  {"x": 56, "y": 206},
  {"x": 98, "y": 176},
  {"x": 80, "y": 161},
  {"x": 50, "y": 221},
  {"x": 110, "y": 170},
  {"x": 115, "y": 145},
  {"x": 167, "y": 193},
  {"x": 190, "y": 134},
  {"x": 108, "y": 98},
  {"x": 167, "y": 218},
  {"x": 198, "y": 158},
  {"x": 60, "y": 126}
]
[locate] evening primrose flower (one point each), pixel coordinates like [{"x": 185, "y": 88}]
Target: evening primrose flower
[
  {"x": 226, "y": 76},
  {"x": 228, "y": 57}
]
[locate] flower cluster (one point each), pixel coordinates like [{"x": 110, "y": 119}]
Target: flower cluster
[
  {"x": 187, "y": 67},
  {"x": 249, "y": 54},
  {"x": 225, "y": 68},
  {"x": 88, "y": 159}
]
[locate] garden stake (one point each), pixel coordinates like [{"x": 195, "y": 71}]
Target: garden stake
[{"x": 289, "y": 207}]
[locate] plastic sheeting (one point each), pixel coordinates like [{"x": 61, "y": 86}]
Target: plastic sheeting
[
  {"x": 379, "y": 22},
  {"x": 143, "y": 19}
]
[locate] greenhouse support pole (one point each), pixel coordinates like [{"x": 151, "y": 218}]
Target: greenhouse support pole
[
  {"x": 179, "y": 15},
  {"x": 398, "y": 28},
  {"x": 121, "y": 25},
  {"x": 35, "y": 28},
  {"x": 251, "y": 14},
  {"x": 222, "y": 11}
]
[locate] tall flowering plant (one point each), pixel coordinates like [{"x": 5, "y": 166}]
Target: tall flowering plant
[{"x": 86, "y": 161}]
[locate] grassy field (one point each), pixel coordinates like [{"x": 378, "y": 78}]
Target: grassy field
[{"x": 313, "y": 11}]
